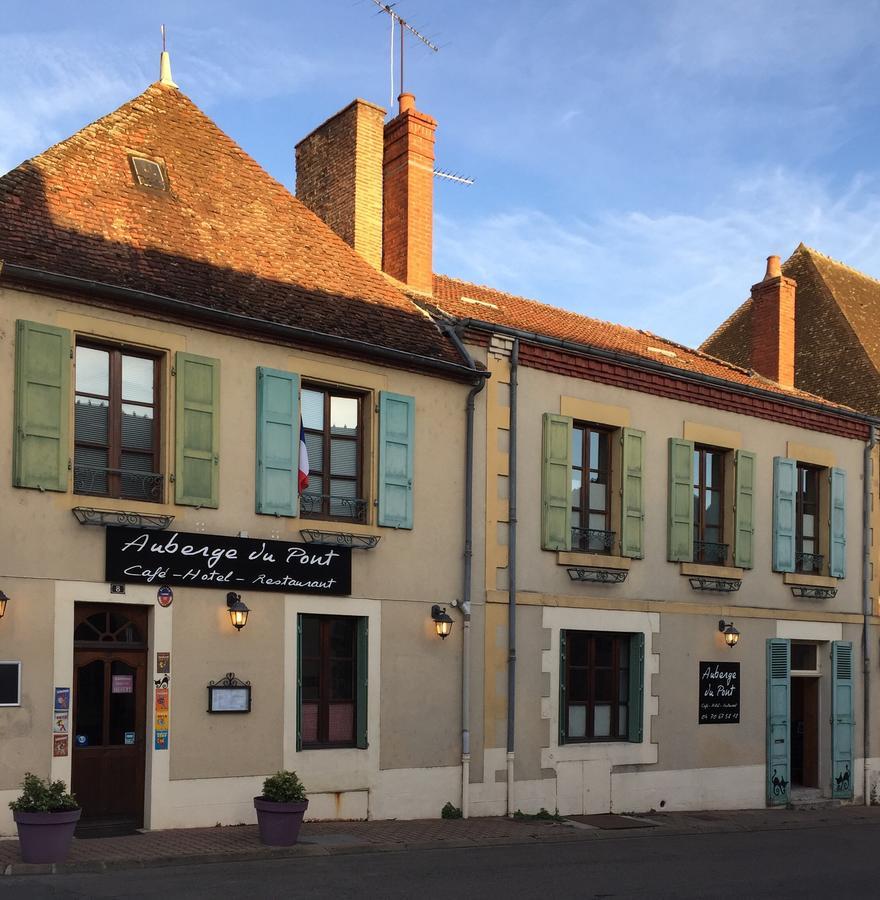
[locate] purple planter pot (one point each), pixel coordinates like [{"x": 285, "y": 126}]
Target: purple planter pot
[
  {"x": 279, "y": 822},
  {"x": 44, "y": 837}
]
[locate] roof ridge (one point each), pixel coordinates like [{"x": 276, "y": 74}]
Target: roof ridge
[{"x": 836, "y": 262}]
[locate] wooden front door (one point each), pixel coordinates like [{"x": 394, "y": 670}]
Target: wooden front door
[{"x": 109, "y": 712}]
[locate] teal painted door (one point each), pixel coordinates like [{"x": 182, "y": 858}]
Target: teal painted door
[
  {"x": 842, "y": 719},
  {"x": 778, "y": 721}
]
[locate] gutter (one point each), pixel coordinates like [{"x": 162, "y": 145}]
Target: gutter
[
  {"x": 867, "y": 503},
  {"x": 171, "y": 305},
  {"x": 638, "y": 362},
  {"x": 511, "y": 585}
]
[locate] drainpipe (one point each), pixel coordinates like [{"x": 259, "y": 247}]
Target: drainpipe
[
  {"x": 511, "y": 583},
  {"x": 867, "y": 502}
]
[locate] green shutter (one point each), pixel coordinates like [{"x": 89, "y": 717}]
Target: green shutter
[
  {"x": 277, "y": 476},
  {"x": 632, "y": 525},
  {"x": 778, "y": 721},
  {"x": 556, "y": 483},
  {"x": 681, "y": 500},
  {"x": 842, "y": 721},
  {"x": 299, "y": 681},
  {"x": 396, "y": 439},
  {"x": 636, "y": 706},
  {"x": 40, "y": 445},
  {"x": 784, "y": 486},
  {"x": 744, "y": 510},
  {"x": 837, "y": 544},
  {"x": 197, "y": 454},
  {"x": 362, "y": 681},
  {"x": 563, "y": 709}
]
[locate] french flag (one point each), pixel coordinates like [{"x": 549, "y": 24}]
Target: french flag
[{"x": 303, "y": 459}]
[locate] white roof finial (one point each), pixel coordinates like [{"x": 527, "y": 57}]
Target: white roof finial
[{"x": 165, "y": 65}]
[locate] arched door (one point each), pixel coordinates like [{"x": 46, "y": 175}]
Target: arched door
[{"x": 109, "y": 714}]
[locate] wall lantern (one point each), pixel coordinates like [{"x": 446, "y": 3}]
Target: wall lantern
[
  {"x": 3, "y": 601},
  {"x": 238, "y": 612},
  {"x": 442, "y": 621},
  {"x": 731, "y": 635}
]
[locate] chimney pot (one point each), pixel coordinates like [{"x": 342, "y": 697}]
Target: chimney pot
[
  {"x": 774, "y": 269},
  {"x": 406, "y": 102}
]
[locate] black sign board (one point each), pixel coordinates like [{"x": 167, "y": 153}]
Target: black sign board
[
  {"x": 136, "y": 556},
  {"x": 719, "y": 693}
]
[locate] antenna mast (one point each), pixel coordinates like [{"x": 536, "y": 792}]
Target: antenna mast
[{"x": 404, "y": 26}]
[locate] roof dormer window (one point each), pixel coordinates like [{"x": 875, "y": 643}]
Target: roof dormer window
[{"x": 148, "y": 173}]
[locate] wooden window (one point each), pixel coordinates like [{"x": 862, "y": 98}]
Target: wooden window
[
  {"x": 328, "y": 673},
  {"x": 597, "y": 686},
  {"x": 116, "y": 423},
  {"x": 591, "y": 489},
  {"x": 807, "y": 558},
  {"x": 709, "y": 546},
  {"x": 333, "y": 425}
]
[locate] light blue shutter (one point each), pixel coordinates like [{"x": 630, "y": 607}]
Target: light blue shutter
[
  {"x": 778, "y": 721},
  {"x": 277, "y": 442},
  {"x": 681, "y": 500},
  {"x": 396, "y": 437},
  {"x": 636, "y": 687},
  {"x": 837, "y": 556},
  {"x": 842, "y": 721},
  {"x": 784, "y": 486}
]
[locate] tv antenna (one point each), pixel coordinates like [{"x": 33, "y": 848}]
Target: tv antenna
[{"x": 403, "y": 26}]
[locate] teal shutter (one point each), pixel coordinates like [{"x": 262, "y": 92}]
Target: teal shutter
[
  {"x": 40, "y": 443},
  {"x": 636, "y": 707},
  {"x": 277, "y": 476},
  {"x": 744, "y": 510},
  {"x": 299, "y": 681},
  {"x": 842, "y": 720},
  {"x": 632, "y": 526},
  {"x": 362, "y": 681},
  {"x": 396, "y": 439},
  {"x": 837, "y": 543},
  {"x": 778, "y": 721},
  {"x": 556, "y": 483},
  {"x": 681, "y": 500},
  {"x": 784, "y": 485},
  {"x": 563, "y": 697},
  {"x": 197, "y": 455}
]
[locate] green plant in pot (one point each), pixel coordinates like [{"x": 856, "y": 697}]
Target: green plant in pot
[
  {"x": 45, "y": 815},
  {"x": 280, "y": 809}
]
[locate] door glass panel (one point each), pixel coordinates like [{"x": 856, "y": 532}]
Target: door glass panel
[
  {"x": 123, "y": 687},
  {"x": 90, "y": 704}
]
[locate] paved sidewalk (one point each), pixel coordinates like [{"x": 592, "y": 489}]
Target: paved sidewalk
[{"x": 242, "y": 842}]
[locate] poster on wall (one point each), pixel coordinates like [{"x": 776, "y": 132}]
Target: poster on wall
[
  {"x": 161, "y": 714},
  {"x": 62, "y": 698},
  {"x": 719, "y": 693},
  {"x": 59, "y": 745}
]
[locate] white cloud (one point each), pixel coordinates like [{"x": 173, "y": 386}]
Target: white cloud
[{"x": 677, "y": 275}]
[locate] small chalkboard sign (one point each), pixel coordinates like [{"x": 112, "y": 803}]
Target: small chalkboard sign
[{"x": 719, "y": 693}]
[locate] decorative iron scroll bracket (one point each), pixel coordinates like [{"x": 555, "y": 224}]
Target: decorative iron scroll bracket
[
  {"x": 597, "y": 576},
  {"x": 706, "y": 583},
  {"x": 85, "y": 515},
  {"x": 340, "y": 539},
  {"x": 814, "y": 593}
]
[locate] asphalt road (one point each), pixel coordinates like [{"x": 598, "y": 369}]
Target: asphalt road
[{"x": 812, "y": 862}]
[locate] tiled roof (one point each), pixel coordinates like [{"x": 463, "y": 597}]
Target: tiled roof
[
  {"x": 464, "y": 300},
  {"x": 225, "y": 235},
  {"x": 837, "y": 330}
]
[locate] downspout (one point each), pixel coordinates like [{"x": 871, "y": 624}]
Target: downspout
[
  {"x": 867, "y": 503},
  {"x": 511, "y": 583}
]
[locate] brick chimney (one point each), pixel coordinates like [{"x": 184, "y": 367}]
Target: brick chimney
[
  {"x": 339, "y": 176},
  {"x": 773, "y": 325},
  {"x": 408, "y": 186}
]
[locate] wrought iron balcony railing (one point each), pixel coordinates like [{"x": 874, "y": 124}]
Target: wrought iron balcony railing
[
  {"x": 710, "y": 552},
  {"x": 333, "y": 506},
  {"x": 592, "y": 540},
  {"x": 809, "y": 562},
  {"x": 131, "y": 484}
]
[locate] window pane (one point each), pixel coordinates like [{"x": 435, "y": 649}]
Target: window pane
[
  {"x": 315, "y": 447},
  {"x": 622, "y": 720},
  {"x": 622, "y": 684},
  {"x": 623, "y": 653},
  {"x": 343, "y": 415},
  {"x": 602, "y": 720},
  {"x": 342, "y": 638},
  {"x": 90, "y": 470},
  {"x": 341, "y": 722},
  {"x": 577, "y": 684},
  {"x": 139, "y": 487},
  {"x": 137, "y": 379},
  {"x": 809, "y": 525},
  {"x": 576, "y": 649},
  {"x": 90, "y": 703},
  {"x": 595, "y": 440},
  {"x": 803, "y": 657},
  {"x": 343, "y": 489},
  {"x": 90, "y": 418},
  {"x": 604, "y": 684},
  {"x": 311, "y": 679},
  {"x": 311, "y": 636},
  {"x": 309, "y": 723},
  {"x": 577, "y": 721},
  {"x": 137, "y": 427},
  {"x": 312, "y": 409},
  {"x": 697, "y": 467},
  {"x": 343, "y": 457},
  {"x": 575, "y": 489},
  {"x": 598, "y": 496},
  {"x": 603, "y": 442},
  {"x": 93, "y": 371},
  {"x": 341, "y": 679},
  {"x": 577, "y": 446},
  {"x": 713, "y": 508},
  {"x": 604, "y": 650},
  {"x": 123, "y": 688}
]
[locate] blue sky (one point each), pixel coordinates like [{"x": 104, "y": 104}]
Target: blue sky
[{"x": 633, "y": 161}]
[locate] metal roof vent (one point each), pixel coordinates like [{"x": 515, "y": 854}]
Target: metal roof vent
[{"x": 148, "y": 173}]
